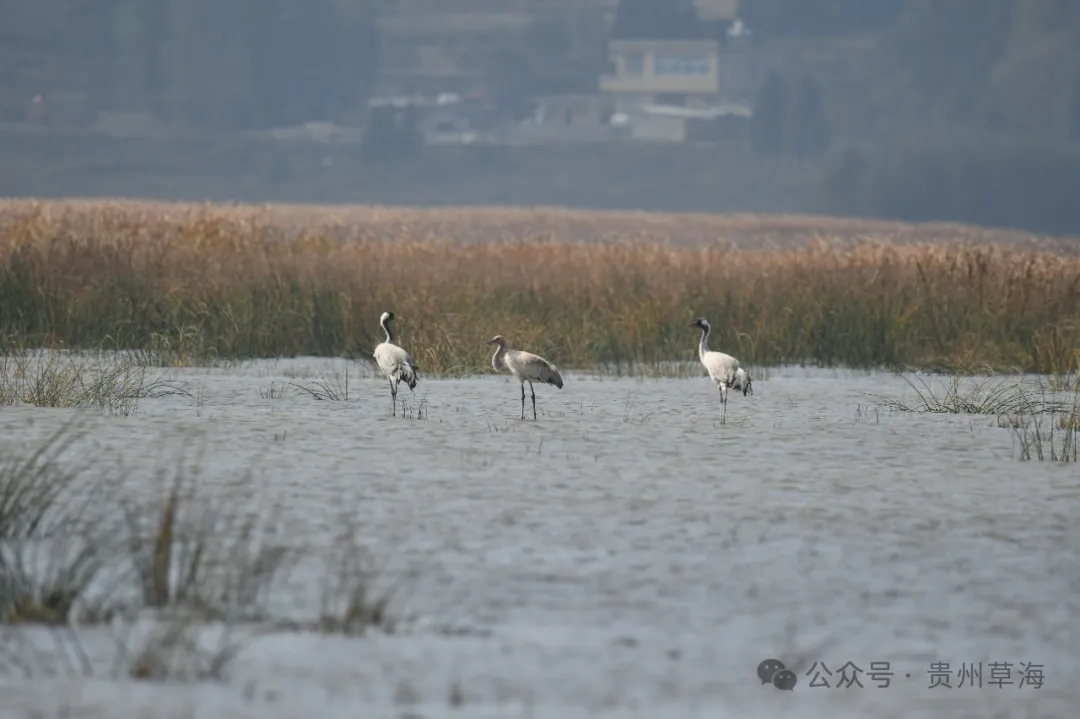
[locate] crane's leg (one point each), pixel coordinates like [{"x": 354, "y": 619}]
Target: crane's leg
[
  {"x": 523, "y": 399},
  {"x": 533, "y": 392},
  {"x": 723, "y": 402},
  {"x": 393, "y": 399}
]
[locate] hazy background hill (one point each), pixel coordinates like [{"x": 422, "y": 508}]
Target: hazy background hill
[{"x": 962, "y": 110}]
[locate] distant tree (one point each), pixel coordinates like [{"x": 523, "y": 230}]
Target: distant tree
[
  {"x": 554, "y": 55},
  {"x": 312, "y": 59},
  {"x": 567, "y": 52},
  {"x": 1002, "y": 184},
  {"x": 392, "y": 135},
  {"x": 1038, "y": 69},
  {"x": 770, "y": 115},
  {"x": 358, "y": 53},
  {"x": 949, "y": 48},
  {"x": 203, "y": 85},
  {"x": 155, "y": 78},
  {"x": 1074, "y": 111},
  {"x": 843, "y": 182},
  {"x": 87, "y": 34},
  {"x": 1046, "y": 14},
  {"x": 807, "y": 131},
  {"x": 657, "y": 19},
  {"x": 240, "y": 64},
  {"x": 819, "y": 17},
  {"x": 511, "y": 72}
]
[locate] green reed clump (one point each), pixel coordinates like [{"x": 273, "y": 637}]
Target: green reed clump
[
  {"x": 79, "y": 545},
  {"x": 987, "y": 394},
  {"x": 220, "y": 283},
  {"x": 1052, "y": 435},
  {"x": 44, "y": 570},
  {"x": 112, "y": 383}
]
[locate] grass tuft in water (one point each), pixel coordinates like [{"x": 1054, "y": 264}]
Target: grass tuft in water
[
  {"x": 273, "y": 391},
  {"x": 332, "y": 389},
  {"x": 112, "y": 383},
  {"x": 202, "y": 554},
  {"x": 351, "y": 602},
  {"x": 1048, "y": 435},
  {"x": 52, "y": 548},
  {"x": 184, "y": 582},
  {"x": 965, "y": 394}
]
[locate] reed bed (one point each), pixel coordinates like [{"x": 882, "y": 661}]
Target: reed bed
[
  {"x": 502, "y": 224},
  {"x": 193, "y": 282}
]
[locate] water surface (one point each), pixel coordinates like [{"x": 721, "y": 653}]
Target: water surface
[{"x": 627, "y": 554}]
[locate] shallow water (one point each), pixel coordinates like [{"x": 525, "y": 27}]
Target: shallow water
[{"x": 626, "y": 554}]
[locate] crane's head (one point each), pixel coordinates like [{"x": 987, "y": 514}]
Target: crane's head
[
  {"x": 387, "y": 317},
  {"x": 701, "y": 323},
  {"x": 497, "y": 340}
]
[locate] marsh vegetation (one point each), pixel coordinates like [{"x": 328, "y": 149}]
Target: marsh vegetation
[
  {"x": 173, "y": 510},
  {"x": 188, "y": 285},
  {"x": 137, "y": 566}
]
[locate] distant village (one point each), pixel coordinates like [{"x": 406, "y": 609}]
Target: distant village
[
  {"x": 652, "y": 89},
  {"x": 649, "y": 89},
  {"x": 669, "y": 90}
]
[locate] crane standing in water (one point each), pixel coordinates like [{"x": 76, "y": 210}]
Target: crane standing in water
[
  {"x": 723, "y": 369},
  {"x": 525, "y": 367},
  {"x": 395, "y": 362}
]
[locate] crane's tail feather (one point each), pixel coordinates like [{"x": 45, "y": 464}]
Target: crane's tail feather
[{"x": 407, "y": 374}]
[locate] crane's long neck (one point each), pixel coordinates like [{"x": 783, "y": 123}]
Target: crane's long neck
[
  {"x": 386, "y": 329},
  {"x": 497, "y": 358},
  {"x": 703, "y": 346}
]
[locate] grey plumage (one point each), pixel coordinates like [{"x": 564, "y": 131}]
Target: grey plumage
[
  {"x": 723, "y": 369},
  {"x": 396, "y": 364},
  {"x": 525, "y": 367},
  {"x": 742, "y": 382}
]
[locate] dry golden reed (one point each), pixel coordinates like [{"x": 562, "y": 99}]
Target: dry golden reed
[{"x": 581, "y": 288}]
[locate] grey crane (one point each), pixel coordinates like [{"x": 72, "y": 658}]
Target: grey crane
[
  {"x": 395, "y": 362},
  {"x": 723, "y": 369},
  {"x": 525, "y": 367}
]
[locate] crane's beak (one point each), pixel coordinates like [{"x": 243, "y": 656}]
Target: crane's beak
[
  {"x": 692, "y": 324},
  {"x": 490, "y": 342}
]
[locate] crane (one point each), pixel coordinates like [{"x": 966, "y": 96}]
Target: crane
[
  {"x": 723, "y": 369},
  {"x": 525, "y": 367},
  {"x": 394, "y": 361}
]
